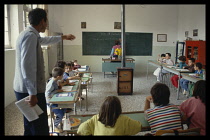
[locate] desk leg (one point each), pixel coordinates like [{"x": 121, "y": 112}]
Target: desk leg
[
  {"x": 104, "y": 74},
  {"x": 75, "y": 109},
  {"x": 86, "y": 103},
  {"x": 147, "y": 69},
  {"x": 178, "y": 86},
  {"x": 51, "y": 119},
  {"x": 91, "y": 84}
]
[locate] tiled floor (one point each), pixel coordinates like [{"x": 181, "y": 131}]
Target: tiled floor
[{"x": 102, "y": 87}]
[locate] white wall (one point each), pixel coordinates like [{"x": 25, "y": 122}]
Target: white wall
[
  {"x": 192, "y": 17},
  {"x": 156, "y": 19}
]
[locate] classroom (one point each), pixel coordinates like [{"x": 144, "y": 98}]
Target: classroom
[{"x": 167, "y": 24}]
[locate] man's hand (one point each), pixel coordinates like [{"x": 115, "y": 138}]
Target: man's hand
[
  {"x": 68, "y": 37},
  {"x": 32, "y": 100}
]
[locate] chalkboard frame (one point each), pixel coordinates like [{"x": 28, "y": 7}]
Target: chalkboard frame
[{"x": 148, "y": 43}]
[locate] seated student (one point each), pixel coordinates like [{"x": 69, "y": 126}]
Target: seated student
[
  {"x": 194, "y": 108},
  {"x": 61, "y": 64},
  {"x": 184, "y": 82},
  {"x": 51, "y": 89},
  {"x": 68, "y": 70},
  {"x": 76, "y": 65},
  {"x": 160, "y": 59},
  {"x": 190, "y": 65},
  {"x": 168, "y": 62},
  {"x": 181, "y": 65},
  {"x": 109, "y": 121},
  {"x": 164, "y": 115},
  {"x": 66, "y": 76}
]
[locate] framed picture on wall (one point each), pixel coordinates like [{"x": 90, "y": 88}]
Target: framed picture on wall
[
  {"x": 186, "y": 33},
  {"x": 195, "y": 32},
  {"x": 161, "y": 37},
  {"x": 117, "y": 25},
  {"x": 83, "y": 24}
]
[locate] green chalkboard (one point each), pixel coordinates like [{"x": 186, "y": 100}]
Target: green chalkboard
[{"x": 101, "y": 43}]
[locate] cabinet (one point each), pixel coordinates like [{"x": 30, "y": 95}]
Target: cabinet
[
  {"x": 197, "y": 50},
  {"x": 125, "y": 81}
]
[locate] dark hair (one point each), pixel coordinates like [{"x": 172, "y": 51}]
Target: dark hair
[
  {"x": 160, "y": 94},
  {"x": 192, "y": 59},
  {"x": 110, "y": 110},
  {"x": 117, "y": 42},
  {"x": 36, "y": 15},
  {"x": 200, "y": 90},
  {"x": 57, "y": 71},
  {"x": 163, "y": 55},
  {"x": 199, "y": 65},
  {"x": 60, "y": 63},
  {"x": 182, "y": 58},
  {"x": 70, "y": 64},
  {"x": 169, "y": 54}
]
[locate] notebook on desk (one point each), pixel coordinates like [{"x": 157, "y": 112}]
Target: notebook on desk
[{"x": 63, "y": 96}]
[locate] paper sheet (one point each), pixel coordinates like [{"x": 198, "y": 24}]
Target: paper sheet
[
  {"x": 31, "y": 113},
  {"x": 79, "y": 69},
  {"x": 182, "y": 69},
  {"x": 67, "y": 88}
]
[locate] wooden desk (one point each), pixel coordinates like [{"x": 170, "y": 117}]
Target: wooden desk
[
  {"x": 111, "y": 65},
  {"x": 117, "y": 60},
  {"x": 137, "y": 115}
]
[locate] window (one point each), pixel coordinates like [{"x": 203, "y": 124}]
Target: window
[
  {"x": 26, "y": 9},
  {"x": 6, "y": 27}
]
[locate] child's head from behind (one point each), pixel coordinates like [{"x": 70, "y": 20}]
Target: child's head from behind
[
  {"x": 57, "y": 72},
  {"x": 200, "y": 90},
  {"x": 191, "y": 61},
  {"x": 198, "y": 66},
  {"x": 160, "y": 94},
  {"x": 61, "y": 64},
  {"x": 110, "y": 111},
  {"x": 182, "y": 58},
  {"x": 68, "y": 67}
]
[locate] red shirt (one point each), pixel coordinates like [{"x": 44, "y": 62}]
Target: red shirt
[{"x": 196, "y": 110}]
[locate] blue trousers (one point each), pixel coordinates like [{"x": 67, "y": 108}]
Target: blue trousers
[
  {"x": 40, "y": 125},
  {"x": 59, "y": 114},
  {"x": 184, "y": 84}
]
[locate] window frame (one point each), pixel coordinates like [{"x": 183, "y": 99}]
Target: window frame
[{"x": 9, "y": 28}]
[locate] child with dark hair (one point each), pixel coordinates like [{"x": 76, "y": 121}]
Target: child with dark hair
[
  {"x": 181, "y": 64},
  {"x": 194, "y": 108},
  {"x": 109, "y": 121},
  {"x": 51, "y": 89},
  {"x": 164, "y": 115},
  {"x": 184, "y": 82},
  {"x": 75, "y": 64}
]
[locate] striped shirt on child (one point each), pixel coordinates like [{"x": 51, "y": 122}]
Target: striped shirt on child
[{"x": 164, "y": 118}]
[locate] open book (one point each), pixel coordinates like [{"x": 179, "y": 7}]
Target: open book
[{"x": 31, "y": 113}]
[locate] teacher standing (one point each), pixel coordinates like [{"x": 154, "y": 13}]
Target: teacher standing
[
  {"x": 29, "y": 77},
  {"x": 116, "y": 46}
]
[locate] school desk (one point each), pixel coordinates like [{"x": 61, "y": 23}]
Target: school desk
[
  {"x": 153, "y": 63},
  {"x": 84, "y": 68},
  {"x": 177, "y": 71},
  {"x": 136, "y": 115},
  {"x": 111, "y": 65},
  {"x": 86, "y": 81},
  {"x": 193, "y": 79}
]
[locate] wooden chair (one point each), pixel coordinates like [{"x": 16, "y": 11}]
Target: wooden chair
[{"x": 187, "y": 132}]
